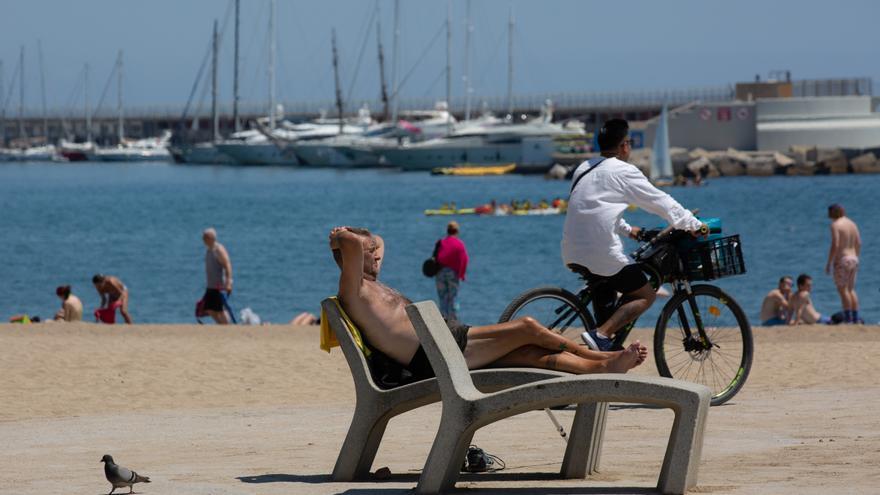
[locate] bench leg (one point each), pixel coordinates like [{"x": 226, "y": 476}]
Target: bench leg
[
  {"x": 361, "y": 444},
  {"x": 584, "y": 447},
  {"x": 443, "y": 466},
  {"x": 682, "y": 460}
]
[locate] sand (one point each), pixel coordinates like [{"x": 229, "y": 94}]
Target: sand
[{"x": 261, "y": 410}]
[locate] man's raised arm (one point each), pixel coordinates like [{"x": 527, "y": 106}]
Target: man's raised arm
[{"x": 350, "y": 259}]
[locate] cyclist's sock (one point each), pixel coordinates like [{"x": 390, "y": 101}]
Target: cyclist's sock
[
  {"x": 848, "y": 316},
  {"x": 855, "y": 316}
]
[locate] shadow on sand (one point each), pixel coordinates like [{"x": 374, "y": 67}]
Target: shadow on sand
[{"x": 465, "y": 478}]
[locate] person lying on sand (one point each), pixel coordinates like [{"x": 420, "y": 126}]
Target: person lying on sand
[{"x": 378, "y": 311}]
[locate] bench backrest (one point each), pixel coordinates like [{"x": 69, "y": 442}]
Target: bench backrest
[
  {"x": 360, "y": 367},
  {"x": 443, "y": 352}
]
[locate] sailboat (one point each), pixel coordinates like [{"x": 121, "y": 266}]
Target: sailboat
[
  {"x": 205, "y": 152},
  {"x": 71, "y": 150},
  {"x": 661, "y": 161},
  {"x": 140, "y": 150},
  {"x": 252, "y": 147}
]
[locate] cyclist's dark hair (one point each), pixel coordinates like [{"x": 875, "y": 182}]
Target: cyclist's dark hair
[
  {"x": 97, "y": 279},
  {"x": 612, "y": 133},
  {"x": 802, "y": 279},
  {"x": 783, "y": 279}
]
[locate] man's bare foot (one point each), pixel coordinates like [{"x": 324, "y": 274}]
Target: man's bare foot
[
  {"x": 626, "y": 359},
  {"x": 642, "y": 350}
]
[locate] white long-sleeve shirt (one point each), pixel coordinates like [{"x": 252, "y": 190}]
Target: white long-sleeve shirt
[{"x": 594, "y": 221}]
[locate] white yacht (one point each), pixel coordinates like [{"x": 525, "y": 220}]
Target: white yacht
[
  {"x": 352, "y": 149},
  {"x": 485, "y": 141},
  {"x": 205, "y": 153},
  {"x": 252, "y": 147},
  {"x": 138, "y": 150}
]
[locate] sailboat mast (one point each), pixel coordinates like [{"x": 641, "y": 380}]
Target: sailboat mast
[
  {"x": 336, "y": 79},
  {"x": 395, "y": 55},
  {"x": 468, "y": 29},
  {"x": 235, "y": 120},
  {"x": 43, "y": 90},
  {"x": 120, "y": 124},
  {"x": 272, "y": 65},
  {"x": 215, "y": 117},
  {"x": 384, "y": 88},
  {"x": 449, "y": 67},
  {"x": 510, "y": 64},
  {"x": 88, "y": 108},
  {"x": 2, "y": 110},
  {"x": 21, "y": 94}
]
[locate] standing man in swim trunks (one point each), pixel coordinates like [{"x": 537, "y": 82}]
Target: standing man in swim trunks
[
  {"x": 114, "y": 294},
  {"x": 774, "y": 309},
  {"x": 380, "y": 313},
  {"x": 846, "y": 246},
  {"x": 218, "y": 271}
]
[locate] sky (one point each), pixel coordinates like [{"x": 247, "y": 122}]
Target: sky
[{"x": 558, "y": 46}]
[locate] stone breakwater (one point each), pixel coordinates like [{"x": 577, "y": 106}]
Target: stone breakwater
[{"x": 799, "y": 160}]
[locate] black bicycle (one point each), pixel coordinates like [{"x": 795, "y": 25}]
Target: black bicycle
[{"x": 702, "y": 334}]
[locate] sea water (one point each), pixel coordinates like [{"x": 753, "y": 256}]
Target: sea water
[{"x": 63, "y": 222}]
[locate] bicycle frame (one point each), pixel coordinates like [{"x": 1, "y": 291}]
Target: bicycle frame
[{"x": 692, "y": 341}]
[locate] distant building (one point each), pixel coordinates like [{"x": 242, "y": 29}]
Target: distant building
[{"x": 824, "y": 122}]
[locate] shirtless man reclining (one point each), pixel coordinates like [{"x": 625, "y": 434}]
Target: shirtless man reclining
[{"x": 379, "y": 312}]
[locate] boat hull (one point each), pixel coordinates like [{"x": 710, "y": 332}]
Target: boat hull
[
  {"x": 257, "y": 154},
  {"x": 202, "y": 153},
  {"x": 530, "y": 154}
]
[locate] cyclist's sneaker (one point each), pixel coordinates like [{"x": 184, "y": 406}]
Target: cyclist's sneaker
[{"x": 597, "y": 342}]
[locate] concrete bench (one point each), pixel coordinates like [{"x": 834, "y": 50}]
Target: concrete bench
[
  {"x": 376, "y": 406},
  {"x": 466, "y": 408}
]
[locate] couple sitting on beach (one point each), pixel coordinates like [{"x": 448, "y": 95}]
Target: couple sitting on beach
[{"x": 378, "y": 311}]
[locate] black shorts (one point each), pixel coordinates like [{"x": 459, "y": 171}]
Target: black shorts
[
  {"x": 420, "y": 367},
  {"x": 630, "y": 278},
  {"x": 213, "y": 300}
]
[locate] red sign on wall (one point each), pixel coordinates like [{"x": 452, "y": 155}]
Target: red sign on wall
[{"x": 723, "y": 113}]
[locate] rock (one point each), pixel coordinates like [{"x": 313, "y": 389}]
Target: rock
[
  {"x": 805, "y": 168},
  {"x": 865, "y": 164},
  {"x": 680, "y": 158},
  {"x": 557, "y": 171},
  {"x": 731, "y": 164},
  {"x": 698, "y": 153},
  {"x": 761, "y": 166},
  {"x": 783, "y": 160},
  {"x": 697, "y": 166},
  {"x": 804, "y": 154},
  {"x": 831, "y": 161}
]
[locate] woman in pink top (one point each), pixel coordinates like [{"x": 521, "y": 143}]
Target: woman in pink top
[{"x": 453, "y": 259}]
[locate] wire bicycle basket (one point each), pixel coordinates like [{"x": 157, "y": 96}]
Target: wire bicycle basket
[{"x": 714, "y": 259}]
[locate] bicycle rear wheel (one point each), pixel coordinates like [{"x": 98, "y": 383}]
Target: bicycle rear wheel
[
  {"x": 554, "y": 307},
  {"x": 679, "y": 352}
]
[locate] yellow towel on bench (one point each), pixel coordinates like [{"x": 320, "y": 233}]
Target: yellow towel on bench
[{"x": 328, "y": 338}]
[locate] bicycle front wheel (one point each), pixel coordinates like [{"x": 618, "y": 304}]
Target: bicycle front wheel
[
  {"x": 722, "y": 363},
  {"x": 554, "y": 307}
]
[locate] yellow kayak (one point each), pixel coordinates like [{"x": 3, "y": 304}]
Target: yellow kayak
[
  {"x": 475, "y": 170},
  {"x": 450, "y": 211}
]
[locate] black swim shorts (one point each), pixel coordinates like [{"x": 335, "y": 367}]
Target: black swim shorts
[
  {"x": 213, "y": 300},
  {"x": 420, "y": 367}
]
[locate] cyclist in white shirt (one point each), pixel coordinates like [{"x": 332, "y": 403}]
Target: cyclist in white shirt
[{"x": 602, "y": 189}]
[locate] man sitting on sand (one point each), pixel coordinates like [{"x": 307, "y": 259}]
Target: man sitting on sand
[
  {"x": 801, "y": 305},
  {"x": 774, "y": 309},
  {"x": 71, "y": 306},
  {"x": 378, "y": 311},
  {"x": 114, "y": 294}
]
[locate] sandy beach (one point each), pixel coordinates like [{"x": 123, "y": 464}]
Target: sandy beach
[{"x": 261, "y": 410}]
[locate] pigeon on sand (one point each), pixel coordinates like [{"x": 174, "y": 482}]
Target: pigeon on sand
[{"x": 119, "y": 476}]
